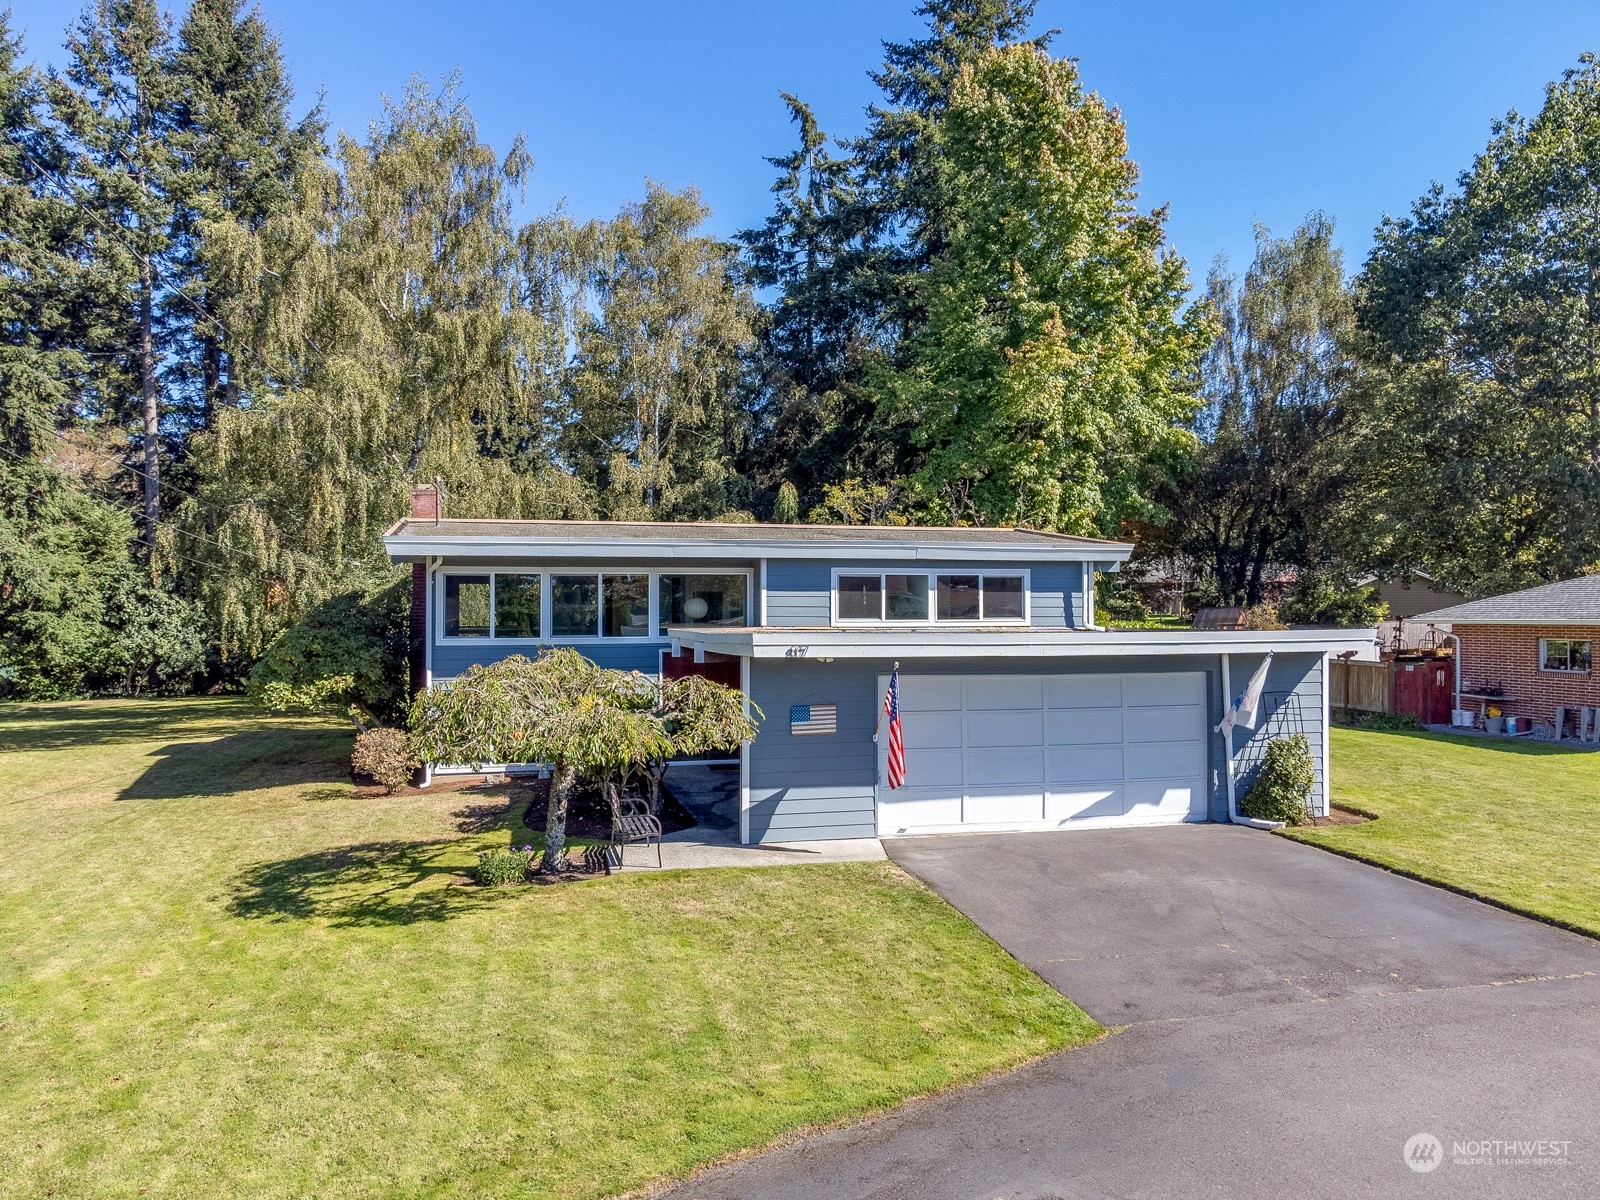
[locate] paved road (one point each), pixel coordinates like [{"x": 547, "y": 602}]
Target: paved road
[{"x": 1289, "y": 1020}]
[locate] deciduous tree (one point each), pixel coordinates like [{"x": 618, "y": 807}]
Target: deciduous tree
[{"x": 1480, "y": 431}]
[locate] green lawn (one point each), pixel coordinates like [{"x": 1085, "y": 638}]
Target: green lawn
[
  {"x": 1516, "y": 823},
  {"x": 222, "y": 974}
]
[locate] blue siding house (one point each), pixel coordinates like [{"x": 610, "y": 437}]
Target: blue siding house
[{"x": 1019, "y": 711}]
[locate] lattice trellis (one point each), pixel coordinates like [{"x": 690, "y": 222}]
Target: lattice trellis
[{"x": 1279, "y": 716}]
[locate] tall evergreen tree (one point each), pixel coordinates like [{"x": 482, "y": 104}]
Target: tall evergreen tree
[
  {"x": 46, "y": 329},
  {"x": 238, "y": 156},
  {"x": 849, "y": 240},
  {"x": 117, "y": 103},
  {"x": 1054, "y": 362}
]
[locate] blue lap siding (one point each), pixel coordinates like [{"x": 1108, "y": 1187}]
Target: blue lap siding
[{"x": 824, "y": 787}]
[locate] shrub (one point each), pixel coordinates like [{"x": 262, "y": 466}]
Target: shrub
[
  {"x": 1117, "y": 600},
  {"x": 1317, "y": 601},
  {"x": 385, "y": 754},
  {"x": 1260, "y": 616},
  {"x": 1390, "y": 723},
  {"x": 496, "y": 868},
  {"x": 348, "y": 651},
  {"x": 1282, "y": 790}
]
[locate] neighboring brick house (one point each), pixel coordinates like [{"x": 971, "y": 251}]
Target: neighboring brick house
[{"x": 1536, "y": 645}]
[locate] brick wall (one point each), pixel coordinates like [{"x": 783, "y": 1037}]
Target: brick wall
[
  {"x": 1509, "y": 655},
  {"x": 418, "y": 651}
]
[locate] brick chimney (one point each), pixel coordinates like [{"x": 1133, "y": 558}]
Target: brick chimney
[{"x": 427, "y": 502}]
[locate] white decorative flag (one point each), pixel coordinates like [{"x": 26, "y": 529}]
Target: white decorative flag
[{"x": 1244, "y": 708}]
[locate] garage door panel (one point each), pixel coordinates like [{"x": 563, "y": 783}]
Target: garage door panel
[
  {"x": 1165, "y": 799},
  {"x": 1083, "y": 726},
  {"x": 1004, "y": 691},
  {"x": 911, "y": 808},
  {"x": 931, "y": 730},
  {"x": 1166, "y": 723},
  {"x": 987, "y": 806},
  {"x": 1005, "y": 729},
  {"x": 934, "y": 768},
  {"x": 1049, "y": 752},
  {"x": 1139, "y": 691},
  {"x": 1165, "y": 760},
  {"x": 1076, "y": 804},
  {"x": 930, "y": 693},
  {"x": 985, "y": 768},
  {"x": 1083, "y": 691},
  {"x": 1086, "y": 764}
]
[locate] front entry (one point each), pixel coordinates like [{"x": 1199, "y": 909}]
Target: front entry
[
  {"x": 1013, "y": 752},
  {"x": 719, "y": 668}
]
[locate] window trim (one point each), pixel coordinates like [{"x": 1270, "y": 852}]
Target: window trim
[
  {"x": 546, "y": 638},
  {"x": 931, "y": 621},
  {"x": 1569, "y": 670}
]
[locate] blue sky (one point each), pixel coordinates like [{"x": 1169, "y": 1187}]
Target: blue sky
[{"x": 1237, "y": 112}]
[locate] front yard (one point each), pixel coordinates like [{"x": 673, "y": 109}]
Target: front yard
[
  {"x": 1513, "y": 822},
  {"x": 222, "y": 974}
]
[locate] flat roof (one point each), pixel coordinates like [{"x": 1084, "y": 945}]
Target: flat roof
[
  {"x": 414, "y": 538},
  {"x": 1004, "y": 641}
]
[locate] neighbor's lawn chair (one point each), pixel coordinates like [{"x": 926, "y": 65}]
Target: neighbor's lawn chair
[{"x": 631, "y": 822}]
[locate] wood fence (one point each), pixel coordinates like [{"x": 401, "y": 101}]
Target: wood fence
[{"x": 1363, "y": 686}]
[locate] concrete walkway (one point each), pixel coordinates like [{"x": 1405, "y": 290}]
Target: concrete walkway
[
  {"x": 711, "y": 794},
  {"x": 1288, "y": 1021}
]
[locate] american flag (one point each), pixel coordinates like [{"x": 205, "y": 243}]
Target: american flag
[
  {"x": 897, "y": 741},
  {"x": 811, "y": 719}
]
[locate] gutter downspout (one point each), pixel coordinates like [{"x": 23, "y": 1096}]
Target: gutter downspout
[
  {"x": 1455, "y": 707},
  {"x": 1227, "y": 743}
]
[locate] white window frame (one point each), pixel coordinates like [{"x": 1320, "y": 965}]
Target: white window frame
[
  {"x": 1570, "y": 641},
  {"x": 546, "y": 638},
  {"x": 932, "y": 619}
]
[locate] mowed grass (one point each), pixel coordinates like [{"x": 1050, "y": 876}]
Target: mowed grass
[
  {"x": 222, "y": 974},
  {"x": 1516, "y": 823}
]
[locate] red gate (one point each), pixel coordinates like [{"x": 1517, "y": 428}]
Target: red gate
[{"x": 1424, "y": 689}]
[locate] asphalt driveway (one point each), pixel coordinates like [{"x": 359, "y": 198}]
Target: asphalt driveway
[{"x": 1287, "y": 1020}]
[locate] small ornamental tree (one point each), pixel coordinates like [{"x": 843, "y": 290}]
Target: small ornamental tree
[
  {"x": 559, "y": 709},
  {"x": 697, "y": 715}
]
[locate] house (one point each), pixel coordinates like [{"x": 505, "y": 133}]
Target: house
[
  {"x": 1407, "y": 597},
  {"x": 1019, "y": 712},
  {"x": 1528, "y": 652}
]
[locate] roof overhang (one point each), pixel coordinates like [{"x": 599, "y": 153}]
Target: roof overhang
[
  {"x": 418, "y": 547},
  {"x": 1541, "y": 622},
  {"x": 832, "y": 641}
]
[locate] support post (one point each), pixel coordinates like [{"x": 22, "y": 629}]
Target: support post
[
  {"x": 1227, "y": 741},
  {"x": 744, "y": 757}
]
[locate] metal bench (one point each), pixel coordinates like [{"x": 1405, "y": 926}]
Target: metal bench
[{"x": 631, "y": 822}]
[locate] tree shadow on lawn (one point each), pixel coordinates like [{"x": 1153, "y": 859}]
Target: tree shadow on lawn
[
  {"x": 383, "y": 883},
  {"x": 375, "y": 883},
  {"x": 258, "y": 758},
  {"x": 70, "y": 725}
]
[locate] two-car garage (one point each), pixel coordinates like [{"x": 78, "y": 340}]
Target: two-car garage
[{"x": 1048, "y": 751}]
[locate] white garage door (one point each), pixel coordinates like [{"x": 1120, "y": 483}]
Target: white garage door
[{"x": 989, "y": 752}]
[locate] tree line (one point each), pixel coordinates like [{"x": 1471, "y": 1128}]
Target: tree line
[{"x": 233, "y": 340}]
